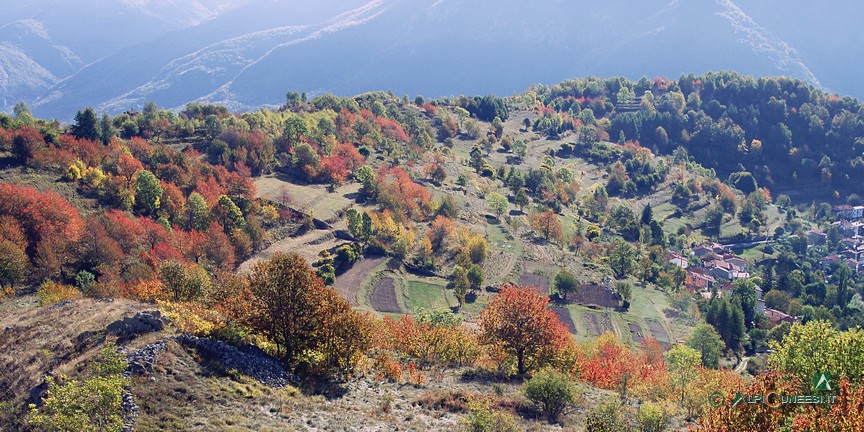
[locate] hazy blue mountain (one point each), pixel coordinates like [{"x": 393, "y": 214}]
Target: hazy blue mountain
[{"x": 61, "y": 56}]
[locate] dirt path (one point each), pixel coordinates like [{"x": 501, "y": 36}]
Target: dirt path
[
  {"x": 349, "y": 283},
  {"x": 743, "y": 365},
  {"x": 614, "y": 323}
]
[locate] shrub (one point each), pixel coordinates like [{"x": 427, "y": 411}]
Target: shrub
[
  {"x": 652, "y": 418},
  {"x": 551, "y": 392},
  {"x": 606, "y": 417},
  {"x": 51, "y": 293},
  {"x": 6, "y": 293},
  {"x": 482, "y": 419},
  {"x": 193, "y": 317},
  {"x": 91, "y": 405}
]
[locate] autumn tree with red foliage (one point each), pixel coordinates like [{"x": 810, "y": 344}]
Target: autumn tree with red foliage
[
  {"x": 49, "y": 222},
  {"x": 27, "y": 143},
  {"x": 845, "y": 415},
  {"x": 399, "y": 193},
  {"x": 607, "y": 362},
  {"x": 334, "y": 169},
  {"x": 519, "y": 321},
  {"x": 218, "y": 248},
  {"x": 547, "y": 225},
  {"x": 755, "y": 416},
  {"x": 440, "y": 229},
  {"x": 431, "y": 343}
]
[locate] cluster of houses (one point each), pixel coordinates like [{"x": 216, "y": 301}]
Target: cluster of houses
[
  {"x": 851, "y": 229},
  {"x": 712, "y": 268}
]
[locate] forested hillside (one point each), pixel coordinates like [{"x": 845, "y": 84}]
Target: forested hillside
[
  {"x": 788, "y": 135},
  {"x": 664, "y": 245}
]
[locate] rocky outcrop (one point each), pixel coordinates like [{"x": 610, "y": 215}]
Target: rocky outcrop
[
  {"x": 143, "y": 322},
  {"x": 247, "y": 360},
  {"x": 140, "y": 362}
]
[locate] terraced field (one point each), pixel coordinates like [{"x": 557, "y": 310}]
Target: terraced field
[
  {"x": 383, "y": 297},
  {"x": 307, "y": 245},
  {"x": 427, "y": 294},
  {"x": 315, "y": 199},
  {"x": 349, "y": 283}
]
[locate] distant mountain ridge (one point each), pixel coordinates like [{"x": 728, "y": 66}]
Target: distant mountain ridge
[{"x": 247, "y": 53}]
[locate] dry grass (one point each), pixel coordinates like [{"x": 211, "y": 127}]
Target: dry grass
[
  {"x": 325, "y": 205},
  {"x": 37, "y": 341},
  {"x": 307, "y": 245}
]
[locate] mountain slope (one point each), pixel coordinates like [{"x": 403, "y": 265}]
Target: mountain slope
[{"x": 248, "y": 53}]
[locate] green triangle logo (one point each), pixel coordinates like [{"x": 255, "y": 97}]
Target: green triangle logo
[{"x": 822, "y": 382}]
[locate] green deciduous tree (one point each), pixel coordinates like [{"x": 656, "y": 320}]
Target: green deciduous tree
[
  {"x": 818, "y": 347},
  {"x": 197, "y": 212},
  {"x": 565, "y": 283},
  {"x": 148, "y": 192},
  {"x": 683, "y": 363},
  {"x": 461, "y": 283},
  {"x": 707, "y": 342},
  {"x": 228, "y": 214},
  {"x": 475, "y": 276},
  {"x": 184, "y": 281},
  {"x": 622, "y": 259},
  {"x": 497, "y": 203},
  {"x": 94, "y": 404},
  {"x": 366, "y": 177}
]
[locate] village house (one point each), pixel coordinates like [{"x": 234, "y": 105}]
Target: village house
[
  {"x": 702, "y": 252},
  {"x": 849, "y": 212},
  {"x": 727, "y": 270},
  {"x": 740, "y": 263},
  {"x": 830, "y": 261},
  {"x": 777, "y": 317},
  {"x": 677, "y": 260},
  {"x": 850, "y": 254},
  {"x": 847, "y": 229},
  {"x": 816, "y": 237},
  {"x": 699, "y": 280}
]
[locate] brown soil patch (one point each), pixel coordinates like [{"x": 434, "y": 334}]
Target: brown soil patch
[
  {"x": 541, "y": 283},
  {"x": 657, "y": 330},
  {"x": 636, "y": 332},
  {"x": 383, "y": 297},
  {"x": 347, "y": 284},
  {"x": 564, "y": 317},
  {"x": 307, "y": 245},
  {"x": 597, "y": 323},
  {"x": 595, "y": 295}
]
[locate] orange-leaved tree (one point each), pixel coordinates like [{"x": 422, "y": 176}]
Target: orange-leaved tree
[
  {"x": 846, "y": 414},
  {"x": 728, "y": 416},
  {"x": 546, "y": 224},
  {"x": 518, "y": 321},
  {"x": 292, "y": 307}
]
